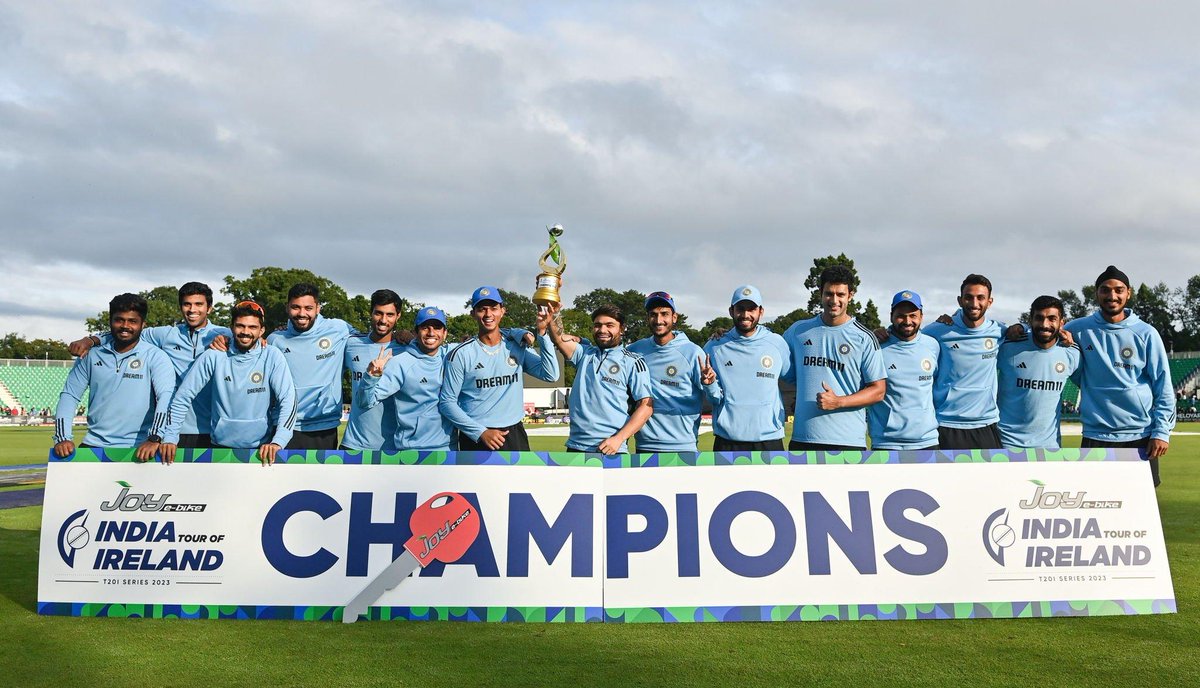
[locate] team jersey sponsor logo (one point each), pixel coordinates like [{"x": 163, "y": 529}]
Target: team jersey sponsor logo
[
  {"x": 728, "y": 364},
  {"x": 926, "y": 364},
  {"x": 767, "y": 362},
  {"x": 256, "y": 377},
  {"x": 137, "y": 363},
  {"x": 355, "y": 359},
  {"x": 323, "y": 343},
  {"x": 1126, "y": 352},
  {"x": 672, "y": 371},
  {"x": 954, "y": 346},
  {"x": 228, "y": 378},
  {"x": 1021, "y": 364},
  {"x": 423, "y": 381},
  {"x": 1060, "y": 367},
  {"x": 100, "y": 364},
  {"x": 479, "y": 366},
  {"x": 287, "y": 350},
  {"x": 808, "y": 342},
  {"x": 844, "y": 349},
  {"x": 892, "y": 367}
]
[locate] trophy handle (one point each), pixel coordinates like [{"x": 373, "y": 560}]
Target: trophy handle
[{"x": 555, "y": 253}]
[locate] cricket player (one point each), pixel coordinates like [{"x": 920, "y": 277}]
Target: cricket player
[
  {"x": 610, "y": 398},
  {"x": 1126, "y": 398},
  {"x": 679, "y": 374},
  {"x": 964, "y": 388},
  {"x": 748, "y": 412},
  {"x": 252, "y": 397},
  {"x": 130, "y": 383},
  {"x": 372, "y": 427},
  {"x": 182, "y": 343},
  {"x": 837, "y": 369},
  {"x": 482, "y": 389},
  {"x": 905, "y": 419},
  {"x": 412, "y": 381},
  {"x": 1031, "y": 374}
]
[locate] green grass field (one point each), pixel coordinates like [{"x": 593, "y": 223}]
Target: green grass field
[{"x": 1126, "y": 651}]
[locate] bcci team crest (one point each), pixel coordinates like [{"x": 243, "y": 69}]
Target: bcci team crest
[
  {"x": 672, "y": 371},
  {"x": 767, "y": 362},
  {"x": 926, "y": 364},
  {"x": 844, "y": 349},
  {"x": 135, "y": 364},
  {"x": 485, "y": 292},
  {"x": 906, "y": 295},
  {"x": 256, "y": 377},
  {"x": 430, "y": 311},
  {"x": 1126, "y": 352},
  {"x": 614, "y": 369},
  {"x": 746, "y": 291},
  {"x": 512, "y": 362},
  {"x": 989, "y": 344},
  {"x": 1060, "y": 367},
  {"x": 324, "y": 343}
]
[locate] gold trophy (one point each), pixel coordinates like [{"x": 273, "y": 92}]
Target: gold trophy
[{"x": 550, "y": 280}]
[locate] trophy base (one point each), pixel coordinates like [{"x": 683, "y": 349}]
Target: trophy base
[{"x": 547, "y": 290}]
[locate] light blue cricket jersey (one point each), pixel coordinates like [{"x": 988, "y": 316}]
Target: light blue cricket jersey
[
  {"x": 412, "y": 381},
  {"x": 371, "y": 427},
  {"x": 678, "y": 394},
  {"x": 482, "y": 386},
  {"x": 964, "y": 389},
  {"x": 245, "y": 387},
  {"x": 315, "y": 358},
  {"x": 183, "y": 346},
  {"x": 747, "y": 406},
  {"x": 1031, "y": 381},
  {"x": 905, "y": 419},
  {"x": 1125, "y": 379},
  {"x": 607, "y": 384},
  {"x": 130, "y": 395},
  {"x": 846, "y": 357}
]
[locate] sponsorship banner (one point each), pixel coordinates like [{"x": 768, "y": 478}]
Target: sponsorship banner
[
  {"x": 218, "y": 536},
  {"x": 770, "y": 536}
]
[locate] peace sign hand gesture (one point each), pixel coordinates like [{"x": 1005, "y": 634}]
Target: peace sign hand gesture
[
  {"x": 707, "y": 374},
  {"x": 375, "y": 367}
]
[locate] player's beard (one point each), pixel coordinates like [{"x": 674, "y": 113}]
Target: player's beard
[{"x": 1044, "y": 335}]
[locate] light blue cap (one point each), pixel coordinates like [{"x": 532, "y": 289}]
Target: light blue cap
[{"x": 746, "y": 292}]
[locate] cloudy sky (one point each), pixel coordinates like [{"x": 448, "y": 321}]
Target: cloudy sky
[{"x": 686, "y": 146}]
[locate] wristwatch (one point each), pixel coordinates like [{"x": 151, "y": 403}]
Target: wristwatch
[{"x": 154, "y": 438}]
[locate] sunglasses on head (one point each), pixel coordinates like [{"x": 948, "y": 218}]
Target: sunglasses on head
[{"x": 252, "y": 306}]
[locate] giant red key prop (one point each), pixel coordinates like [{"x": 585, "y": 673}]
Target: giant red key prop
[{"x": 443, "y": 528}]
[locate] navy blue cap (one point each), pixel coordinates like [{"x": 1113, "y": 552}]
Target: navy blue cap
[
  {"x": 908, "y": 297},
  {"x": 486, "y": 294},
  {"x": 431, "y": 313},
  {"x": 659, "y": 298},
  {"x": 746, "y": 292}
]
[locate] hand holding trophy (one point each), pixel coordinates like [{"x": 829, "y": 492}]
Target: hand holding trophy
[{"x": 550, "y": 280}]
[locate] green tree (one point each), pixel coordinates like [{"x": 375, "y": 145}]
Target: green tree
[
  {"x": 1152, "y": 304},
  {"x": 867, "y": 314},
  {"x": 268, "y": 287},
  {"x": 1187, "y": 310},
  {"x": 13, "y": 345},
  {"x": 722, "y": 324},
  {"x": 162, "y": 308},
  {"x": 1074, "y": 305},
  {"x": 779, "y": 325}
]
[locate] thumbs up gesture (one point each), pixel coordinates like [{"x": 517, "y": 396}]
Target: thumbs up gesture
[{"x": 827, "y": 400}]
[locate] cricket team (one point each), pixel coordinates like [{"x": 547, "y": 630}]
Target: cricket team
[{"x": 962, "y": 382}]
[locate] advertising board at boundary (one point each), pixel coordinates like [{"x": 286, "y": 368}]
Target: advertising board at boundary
[{"x": 770, "y": 536}]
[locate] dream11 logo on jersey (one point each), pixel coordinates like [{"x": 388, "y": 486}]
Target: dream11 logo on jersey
[
  {"x": 1052, "y": 539},
  {"x": 134, "y": 544}
]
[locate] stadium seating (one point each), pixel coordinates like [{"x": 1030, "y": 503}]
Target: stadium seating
[
  {"x": 35, "y": 387},
  {"x": 1183, "y": 367}
]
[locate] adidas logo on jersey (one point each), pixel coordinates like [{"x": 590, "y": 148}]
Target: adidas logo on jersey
[
  {"x": 1089, "y": 348},
  {"x": 287, "y": 350},
  {"x": 728, "y": 364},
  {"x": 100, "y": 363},
  {"x": 228, "y": 379},
  {"x": 178, "y": 348},
  {"x": 423, "y": 381},
  {"x": 356, "y": 359},
  {"x": 892, "y": 367},
  {"x": 808, "y": 342},
  {"x": 1021, "y": 364},
  {"x": 478, "y": 366},
  {"x": 953, "y": 346}
]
